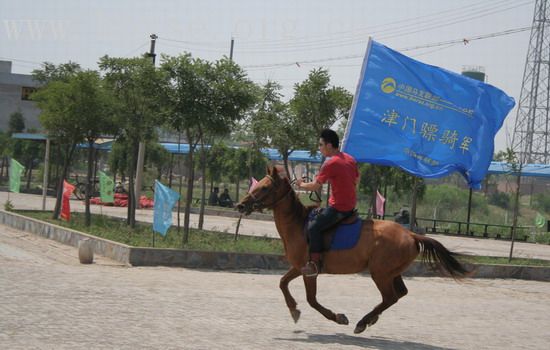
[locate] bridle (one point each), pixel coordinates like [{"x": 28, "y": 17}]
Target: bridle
[{"x": 257, "y": 202}]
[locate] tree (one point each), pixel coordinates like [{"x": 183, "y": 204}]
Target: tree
[
  {"x": 16, "y": 123},
  {"x": 75, "y": 109},
  {"x": 95, "y": 107},
  {"x": 55, "y": 99},
  {"x": 50, "y": 72},
  {"x": 157, "y": 156},
  {"x": 318, "y": 105},
  {"x": 273, "y": 124},
  {"x": 134, "y": 83},
  {"x": 202, "y": 99}
]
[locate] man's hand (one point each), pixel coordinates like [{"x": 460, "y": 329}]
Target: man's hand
[{"x": 308, "y": 186}]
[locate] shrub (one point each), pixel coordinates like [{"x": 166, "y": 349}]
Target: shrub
[
  {"x": 500, "y": 199},
  {"x": 541, "y": 202}
]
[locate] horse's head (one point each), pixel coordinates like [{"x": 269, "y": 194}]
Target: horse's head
[{"x": 267, "y": 192}]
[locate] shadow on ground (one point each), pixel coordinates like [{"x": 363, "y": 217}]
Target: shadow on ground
[{"x": 371, "y": 343}]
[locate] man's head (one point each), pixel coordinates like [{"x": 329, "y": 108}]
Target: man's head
[{"x": 328, "y": 142}]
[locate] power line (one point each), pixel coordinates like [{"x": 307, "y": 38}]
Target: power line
[
  {"x": 449, "y": 42},
  {"x": 401, "y": 28}
]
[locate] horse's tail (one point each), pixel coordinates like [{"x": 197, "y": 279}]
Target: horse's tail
[{"x": 440, "y": 258}]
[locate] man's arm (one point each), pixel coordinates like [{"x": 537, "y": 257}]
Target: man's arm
[{"x": 309, "y": 186}]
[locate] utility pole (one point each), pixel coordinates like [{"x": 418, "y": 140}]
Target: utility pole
[
  {"x": 231, "y": 50},
  {"x": 141, "y": 148},
  {"x": 531, "y": 138}
]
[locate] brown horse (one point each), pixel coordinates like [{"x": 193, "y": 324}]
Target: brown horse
[{"x": 384, "y": 248}]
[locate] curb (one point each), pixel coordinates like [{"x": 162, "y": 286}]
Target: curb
[{"x": 140, "y": 256}]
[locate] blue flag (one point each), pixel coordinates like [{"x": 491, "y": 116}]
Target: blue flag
[
  {"x": 424, "y": 119},
  {"x": 165, "y": 198}
]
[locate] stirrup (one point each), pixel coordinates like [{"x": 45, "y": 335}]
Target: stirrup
[{"x": 310, "y": 269}]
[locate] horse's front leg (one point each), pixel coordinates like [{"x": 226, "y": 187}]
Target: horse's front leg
[
  {"x": 290, "y": 302},
  {"x": 311, "y": 293}
]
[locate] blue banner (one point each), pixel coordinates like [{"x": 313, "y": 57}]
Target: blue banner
[
  {"x": 424, "y": 119},
  {"x": 165, "y": 198}
]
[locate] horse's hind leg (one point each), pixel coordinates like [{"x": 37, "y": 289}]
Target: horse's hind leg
[
  {"x": 290, "y": 302},
  {"x": 311, "y": 293},
  {"x": 389, "y": 297},
  {"x": 400, "y": 287}
]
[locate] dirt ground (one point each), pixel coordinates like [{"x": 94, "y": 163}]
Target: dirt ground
[{"x": 50, "y": 301}]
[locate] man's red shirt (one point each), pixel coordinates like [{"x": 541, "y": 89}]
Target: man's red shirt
[{"x": 341, "y": 172}]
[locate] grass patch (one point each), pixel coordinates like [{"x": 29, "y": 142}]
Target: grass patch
[
  {"x": 496, "y": 260},
  {"x": 115, "y": 229}
]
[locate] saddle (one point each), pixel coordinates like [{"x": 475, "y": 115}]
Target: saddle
[{"x": 343, "y": 235}]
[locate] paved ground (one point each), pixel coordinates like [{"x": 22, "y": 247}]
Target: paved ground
[
  {"x": 49, "y": 301},
  {"x": 488, "y": 247}
]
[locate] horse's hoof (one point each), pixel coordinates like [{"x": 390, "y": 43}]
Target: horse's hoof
[
  {"x": 359, "y": 328},
  {"x": 295, "y": 315},
  {"x": 373, "y": 321},
  {"x": 341, "y": 319}
]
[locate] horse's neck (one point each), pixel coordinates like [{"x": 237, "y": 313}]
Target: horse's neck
[{"x": 290, "y": 215}]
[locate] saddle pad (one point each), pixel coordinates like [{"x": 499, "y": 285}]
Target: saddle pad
[{"x": 346, "y": 235}]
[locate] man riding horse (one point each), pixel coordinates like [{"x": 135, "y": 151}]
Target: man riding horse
[{"x": 340, "y": 171}]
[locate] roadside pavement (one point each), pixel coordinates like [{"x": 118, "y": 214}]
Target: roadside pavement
[
  {"x": 50, "y": 301},
  {"x": 465, "y": 245}
]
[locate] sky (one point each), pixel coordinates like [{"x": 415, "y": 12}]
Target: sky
[{"x": 279, "y": 40}]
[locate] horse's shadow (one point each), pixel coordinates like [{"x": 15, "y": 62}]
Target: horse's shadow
[{"x": 372, "y": 342}]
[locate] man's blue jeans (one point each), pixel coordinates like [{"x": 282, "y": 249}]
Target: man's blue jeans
[{"x": 326, "y": 219}]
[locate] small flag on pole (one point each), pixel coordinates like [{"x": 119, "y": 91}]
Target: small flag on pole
[
  {"x": 68, "y": 190},
  {"x": 106, "y": 188},
  {"x": 16, "y": 169},
  {"x": 380, "y": 200},
  {"x": 165, "y": 198}
]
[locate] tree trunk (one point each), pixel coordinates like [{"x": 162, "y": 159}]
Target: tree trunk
[
  {"x": 29, "y": 174},
  {"x": 285, "y": 162},
  {"x": 237, "y": 190},
  {"x": 66, "y": 162},
  {"x": 89, "y": 175},
  {"x": 171, "y": 170},
  {"x": 413, "y": 205},
  {"x": 203, "y": 186},
  {"x": 2, "y": 168},
  {"x": 189, "y": 196},
  {"x": 131, "y": 218}
]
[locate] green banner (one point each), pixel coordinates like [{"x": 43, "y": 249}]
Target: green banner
[
  {"x": 16, "y": 169},
  {"x": 106, "y": 188}
]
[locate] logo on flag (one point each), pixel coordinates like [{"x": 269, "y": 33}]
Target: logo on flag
[
  {"x": 424, "y": 119},
  {"x": 165, "y": 198},
  {"x": 16, "y": 169}
]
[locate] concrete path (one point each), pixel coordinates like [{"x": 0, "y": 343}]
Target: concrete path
[
  {"x": 467, "y": 245},
  {"x": 49, "y": 301}
]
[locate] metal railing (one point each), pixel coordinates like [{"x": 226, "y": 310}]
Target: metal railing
[{"x": 475, "y": 229}]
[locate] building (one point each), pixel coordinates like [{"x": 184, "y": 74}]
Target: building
[{"x": 15, "y": 90}]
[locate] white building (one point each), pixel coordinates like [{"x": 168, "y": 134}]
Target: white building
[{"x": 14, "y": 96}]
